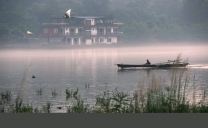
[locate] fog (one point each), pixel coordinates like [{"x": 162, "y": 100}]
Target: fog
[
  {"x": 157, "y": 30},
  {"x": 59, "y": 68},
  {"x": 133, "y": 53}
]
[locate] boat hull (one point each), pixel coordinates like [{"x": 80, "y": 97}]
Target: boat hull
[{"x": 152, "y": 65}]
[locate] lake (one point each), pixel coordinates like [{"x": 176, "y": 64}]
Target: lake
[{"x": 56, "y": 69}]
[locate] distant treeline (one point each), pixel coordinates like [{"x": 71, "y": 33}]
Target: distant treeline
[{"x": 143, "y": 19}]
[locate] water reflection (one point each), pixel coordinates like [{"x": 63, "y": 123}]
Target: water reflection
[{"x": 73, "y": 68}]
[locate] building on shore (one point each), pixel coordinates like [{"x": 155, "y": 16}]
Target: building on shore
[{"x": 82, "y": 30}]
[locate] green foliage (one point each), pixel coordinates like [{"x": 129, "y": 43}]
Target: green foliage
[
  {"x": 103, "y": 102},
  {"x": 136, "y": 31},
  {"x": 6, "y": 96},
  {"x": 95, "y": 7},
  {"x": 205, "y": 4},
  {"x": 69, "y": 93},
  {"x": 143, "y": 19},
  {"x": 79, "y": 107},
  {"x": 39, "y": 12},
  {"x": 4, "y": 30},
  {"x": 47, "y": 107},
  {"x": 21, "y": 108},
  {"x": 16, "y": 31}
]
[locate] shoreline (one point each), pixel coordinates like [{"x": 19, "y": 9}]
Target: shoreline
[{"x": 45, "y": 45}]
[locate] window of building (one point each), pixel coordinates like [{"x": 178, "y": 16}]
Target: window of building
[
  {"x": 88, "y": 22},
  {"x": 115, "y": 30},
  {"x": 75, "y": 40},
  {"x": 45, "y": 30},
  {"x": 69, "y": 40},
  {"x": 80, "y": 30},
  {"x": 88, "y": 32},
  {"x": 101, "y": 40},
  {"x": 108, "y": 30},
  {"x": 55, "y": 30},
  {"x": 101, "y": 30},
  {"x": 82, "y": 40},
  {"x": 61, "y": 31},
  {"x": 109, "y": 40},
  {"x": 88, "y": 29},
  {"x": 72, "y": 31}
]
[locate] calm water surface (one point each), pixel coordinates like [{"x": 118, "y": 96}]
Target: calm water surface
[{"x": 57, "y": 69}]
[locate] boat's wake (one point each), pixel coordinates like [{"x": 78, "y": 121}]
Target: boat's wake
[{"x": 198, "y": 66}]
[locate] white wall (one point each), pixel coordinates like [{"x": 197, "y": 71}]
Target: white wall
[
  {"x": 88, "y": 41},
  {"x": 111, "y": 30},
  {"x": 93, "y": 31},
  {"x": 66, "y": 31},
  {"x": 92, "y": 21},
  {"x": 55, "y": 39},
  {"x": 114, "y": 39},
  {"x": 76, "y": 30}
]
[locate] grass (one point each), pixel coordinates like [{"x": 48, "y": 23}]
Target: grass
[
  {"x": 156, "y": 99},
  {"x": 79, "y": 107},
  {"x": 6, "y": 96},
  {"x": 47, "y": 107},
  {"x": 159, "y": 97},
  {"x": 71, "y": 93},
  {"x": 19, "y": 107}
]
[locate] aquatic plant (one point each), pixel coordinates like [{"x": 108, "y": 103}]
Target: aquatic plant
[
  {"x": 75, "y": 93},
  {"x": 113, "y": 102},
  {"x": 78, "y": 107},
  {"x": 39, "y": 92},
  {"x": 47, "y": 107},
  {"x": 19, "y": 107},
  {"x": 154, "y": 96},
  {"x": 6, "y": 96},
  {"x": 69, "y": 93},
  {"x": 103, "y": 102},
  {"x": 87, "y": 85},
  {"x": 54, "y": 93}
]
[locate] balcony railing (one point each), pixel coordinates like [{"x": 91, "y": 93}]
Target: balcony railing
[
  {"x": 90, "y": 34},
  {"x": 81, "y": 24}
]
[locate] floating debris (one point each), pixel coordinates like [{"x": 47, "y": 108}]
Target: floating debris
[{"x": 87, "y": 85}]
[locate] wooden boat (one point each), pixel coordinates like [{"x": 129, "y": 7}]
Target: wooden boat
[{"x": 169, "y": 64}]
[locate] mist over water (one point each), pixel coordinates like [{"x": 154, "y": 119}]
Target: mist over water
[{"x": 57, "y": 69}]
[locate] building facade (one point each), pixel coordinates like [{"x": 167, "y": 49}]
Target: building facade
[{"x": 82, "y": 30}]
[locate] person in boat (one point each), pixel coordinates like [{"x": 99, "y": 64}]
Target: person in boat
[{"x": 148, "y": 62}]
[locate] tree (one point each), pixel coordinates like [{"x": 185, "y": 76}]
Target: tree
[
  {"x": 96, "y": 7},
  {"x": 205, "y": 5},
  {"x": 4, "y": 30},
  {"x": 192, "y": 11},
  {"x": 16, "y": 32},
  {"x": 39, "y": 12}
]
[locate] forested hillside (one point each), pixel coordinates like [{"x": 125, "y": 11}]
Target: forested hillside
[{"x": 172, "y": 20}]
